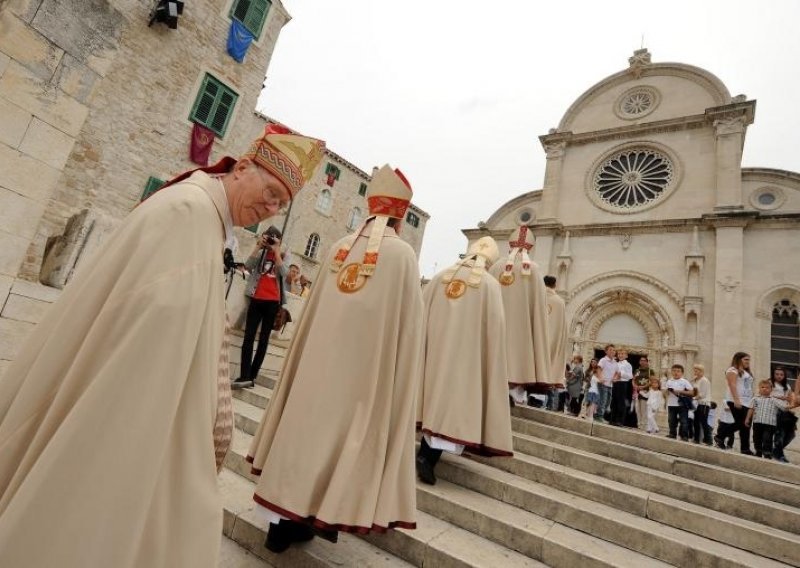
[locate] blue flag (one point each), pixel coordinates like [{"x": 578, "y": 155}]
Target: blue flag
[{"x": 239, "y": 39}]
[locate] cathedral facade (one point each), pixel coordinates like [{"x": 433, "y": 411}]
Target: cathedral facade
[{"x": 661, "y": 241}]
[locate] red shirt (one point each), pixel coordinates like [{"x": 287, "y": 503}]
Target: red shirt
[{"x": 267, "y": 288}]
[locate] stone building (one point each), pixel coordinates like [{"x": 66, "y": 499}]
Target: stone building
[
  {"x": 331, "y": 205},
  {"x": 661, "y": 241},
  {"x": 97, "y": 108}
]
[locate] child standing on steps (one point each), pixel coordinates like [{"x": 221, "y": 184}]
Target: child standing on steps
[
  {"x": 725, "y": 428},
  {"x": 593, "y": 395},
  {"x": 655, "y": 402},
  {"x": 763, "y": 414}
]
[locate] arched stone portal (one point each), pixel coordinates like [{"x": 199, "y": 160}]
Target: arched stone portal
[{"x": 627, "y": 318}]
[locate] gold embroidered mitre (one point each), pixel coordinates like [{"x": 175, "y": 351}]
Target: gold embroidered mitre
[
  {"x": 481, "y": 254},
  {"x": 389, "y": 195},
  {"x": 291, "y": 158}
]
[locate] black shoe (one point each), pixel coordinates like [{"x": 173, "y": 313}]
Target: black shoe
[
  {"x": 300, "y": 532},
  {"x": 279, "y": 537},
  {"x": 425, "y": 471},
  {"x": 242, "y": 383},
  {"x": 671, "y": 437},
  {"x": 747, "y": 453},
  {"x": 327, "y": 534}
]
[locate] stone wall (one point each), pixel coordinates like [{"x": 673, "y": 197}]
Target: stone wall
[{"x": 93, "y": 103}]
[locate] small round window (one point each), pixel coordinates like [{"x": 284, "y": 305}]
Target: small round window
[
  {"x": 637, "y": 102},
  {"x": 766, "y": 198},
  {"x": 525, "y": 216}
]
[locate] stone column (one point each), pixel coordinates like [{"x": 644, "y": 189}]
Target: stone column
[
  {"x": 554, "y": 146},
  {"x": 730, "y": 125},
  {"x": 728, "y": 300}
]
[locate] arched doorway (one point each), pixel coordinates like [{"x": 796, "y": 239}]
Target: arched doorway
[{"x": 629, "y": 319}]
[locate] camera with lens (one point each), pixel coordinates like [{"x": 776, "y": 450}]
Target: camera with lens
[{"x": 272, "y": 234}]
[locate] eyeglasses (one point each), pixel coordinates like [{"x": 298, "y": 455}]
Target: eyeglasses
[{"x": 273, "y": 198}]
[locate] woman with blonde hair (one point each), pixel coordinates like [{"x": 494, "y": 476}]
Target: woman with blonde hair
[{"x": 702, "y": 387}]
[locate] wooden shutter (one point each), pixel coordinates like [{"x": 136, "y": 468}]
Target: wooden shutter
[
  {"x": 214, "y": 105},
  {"x": 153, "y": 184},
  {"x": 252, "y": 14}
]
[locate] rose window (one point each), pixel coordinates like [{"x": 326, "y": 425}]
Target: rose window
[
  {"x": 633, "y": 178},
  {"x": 637, "y": 103}
]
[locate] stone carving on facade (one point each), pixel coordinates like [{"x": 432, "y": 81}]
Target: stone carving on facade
[
  {"x": 638, "y": 62},
  {"x": 555, "y": 150},
  {"x": 730, "y": 125},
  {"x": 729, "y": 284},
  {"x": 83, "y": 234},
  {"x": 739, "y": 99},
  {"x": 625, "y": 241},
  {"x": 627, "y": 274}
]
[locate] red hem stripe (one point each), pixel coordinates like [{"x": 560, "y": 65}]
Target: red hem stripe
[
  {"x": 332, "y": 527},
  {"x": 472, "y": 447}
]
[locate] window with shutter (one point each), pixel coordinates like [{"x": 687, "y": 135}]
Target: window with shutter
[
  {"x": 362, "y": 189},
  {"x": 412, "y": 219},
  {"x": 214, "y": 105},
  {"x": 153, "y": 184},
  {"x": 251, "y": 13}
]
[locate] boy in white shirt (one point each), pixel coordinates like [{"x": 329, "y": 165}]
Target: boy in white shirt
[
  {"x": 608, "y": 367},
  {"x": 621, "y": 383},
  {"x": 678, "y": 410}
]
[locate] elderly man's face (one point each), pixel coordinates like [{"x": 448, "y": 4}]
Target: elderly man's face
[{"x": 254, "y": 194}]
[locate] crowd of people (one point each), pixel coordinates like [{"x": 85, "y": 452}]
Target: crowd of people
[{"x": 609, "y": 391}]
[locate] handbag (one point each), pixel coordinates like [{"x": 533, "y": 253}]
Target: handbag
[
  {"x": 283, "y": 316},
  {"x": 281, "y": 319}
]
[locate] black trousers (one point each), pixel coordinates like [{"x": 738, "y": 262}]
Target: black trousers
[
  {"x": 762, "y": 439},
  {"x": 619, "y": 402},
  {"x": 784, "y": 435},
  {"x": 676, "y": 415},
  {"x": 739, "y": 415},
  {"x": 259, "y": 313},
  {"x": 701, "y": 426}
]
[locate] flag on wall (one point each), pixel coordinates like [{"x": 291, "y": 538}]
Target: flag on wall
[
  {"x": 202, "y": 141},
  {"x": 239, "y": 39}
]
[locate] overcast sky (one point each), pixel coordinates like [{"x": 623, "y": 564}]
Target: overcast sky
[{"x": 456, "y": 93}]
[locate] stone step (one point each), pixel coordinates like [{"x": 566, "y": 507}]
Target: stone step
[
  {"x": 644, "y": 484},
  {"x": 647, "y": 537},
  {"x": 656, "y": 443},
  {"x": 623, "y": 496},
  {"x": 433, "y": 543},
  {"x": 551, "y": 542},
  {"x": 248, "y": 417},
  {"x": 258, "y": 395},
  {"x": 537, "y": 437},
  {"x": 557, "y": 551},
  {"x": 231, "y": 555},
  {"x": 242, "y": 525}
]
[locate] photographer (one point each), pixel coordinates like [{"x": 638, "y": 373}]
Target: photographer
[{"x": 265, "y": 289}]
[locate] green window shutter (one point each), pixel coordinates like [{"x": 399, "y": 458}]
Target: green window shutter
[
  {"x": 214, "y": 105},
  {"x": 362, "y": 190},
  {"x": 252, "y": 14},
  {"x": 239, "y": 9},
  {"x": 153, "y": 184}
]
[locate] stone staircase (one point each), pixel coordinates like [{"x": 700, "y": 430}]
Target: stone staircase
[{"x": 574, "y": 494}]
